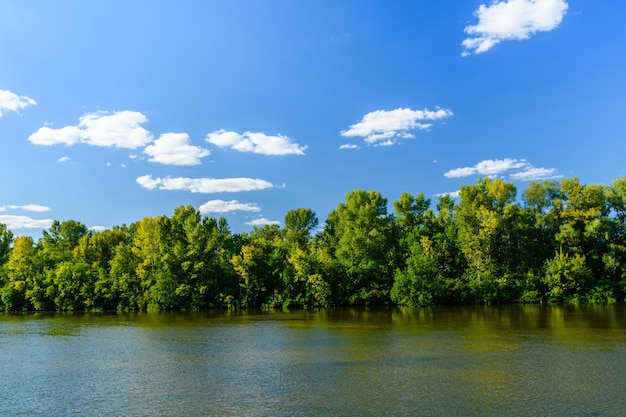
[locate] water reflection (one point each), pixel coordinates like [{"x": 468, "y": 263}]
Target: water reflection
[{"x": 495, "y": 360}]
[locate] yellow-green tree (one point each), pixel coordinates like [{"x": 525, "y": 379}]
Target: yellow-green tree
[
  {"x": 492, "y": 239},
  {"x": 148, "y": 248},
  {"x": 247, "y": 265},
  {"x": 21, "y": 268}
]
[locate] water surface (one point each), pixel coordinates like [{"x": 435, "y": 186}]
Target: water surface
[{"x": 461, "y": 361}]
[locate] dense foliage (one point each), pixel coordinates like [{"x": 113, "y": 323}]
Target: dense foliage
[{"x": 562, "y": 242}]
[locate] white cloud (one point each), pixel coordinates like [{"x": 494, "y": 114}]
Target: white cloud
[
  {"x": 452, "y": 194},
  {"x": 68, "y": 135},
  {"x": 221, "y": 206},
  {"x": 348, "y": 146},
  {"x": 535, "y": 174},
  {"x": 12, "y": 102},
  {"x": 488, "y": 167},
  {"x": 64, "y": 159},
  {"x": 511, "y": 20},
  {"x": 34, "y": 207},
  {"x": 146, "y": 181},
  {"x": 261, "y": 222},
  {"x": 383, "y": 127},
  {"x": 258, "y": 143},
  {"x": 460, "y": 172},
  {"x": 120, "y": 129},
  {"x": 523, "y": 170},
  {"x": 388, "y": 142},
  {"x": 175, "y": 149},
  {"x": 28, "y": 207},
  {"x": 24, "y": 222},
  {"x": 204, "y": 185},
  {"x": 98, "y": 228}
]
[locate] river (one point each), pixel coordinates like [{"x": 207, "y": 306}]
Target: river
[{"x": 525, "y": 360}]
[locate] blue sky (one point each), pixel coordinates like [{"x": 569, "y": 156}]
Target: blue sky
[{"x": 115, "y": 110}]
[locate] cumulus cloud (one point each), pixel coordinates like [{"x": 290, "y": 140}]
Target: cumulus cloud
[
  {"x": 385, "y": 127},
  {"x": 221, "y": 206},
  {"x": 98, "y": 228},
  {"x": 24, "y": 222},
  {"x": 175, "y": 149},
  {"x": 511, "y": 20},
  {"x": 522, "y": 170},
  {"x": 146, "y": 181},
  {"x": 68, "y": 135},
  {"x": 13, "y": 102},
  {"x": 28, "y": 207},
  {"x": 204, "y": 185},
  {"x": 487, "y": 167},
  {"x": 119, "y": 129},
  {"x": 255, "y": 142},
  {"x": 64, "y": 159},
  {"x": 261, "y": 222},
  {"x": 534, "y": 174},
  {"x": 452, "y": 194},
  {"x": 348, "y": 146}
]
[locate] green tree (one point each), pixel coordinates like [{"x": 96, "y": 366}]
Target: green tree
[
  {"x": 434, "y": 263},
  {"x": 192, "y": 257},
  {"x": 71, "y": 281},
  {"x": 305, "y": 284},
  {"x": 299, "y": 224},
  {"x": 225, "y": 281},
  {"x": 126, "y": 283},
  {"x": 613, "y": 283},
  {"x": 567, "y": 278},
  {"x": 148, "y": 248},
  {"x": 270, "y": 240},
  {"x": 60, "y": 239},
  {"x": 490, "y": 233},
  {"x": 6, "y": 240},
  {"x": 410, "y": 216},
  {"x": 411, "y": 211},
  {"x": 20, "y": 271},
  {"x": 95, "y": 251},
  {"x": 543, "y": 204},
  {"x": 360, "y": 233},
  {"x": 419, "y": 283},
  {"x": 246, "y": 265},
  {"x": 583, "y": 220},
  {"x": 302, "y": 283}
]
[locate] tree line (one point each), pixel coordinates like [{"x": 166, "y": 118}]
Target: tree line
[{"x": 562, "y": 241}]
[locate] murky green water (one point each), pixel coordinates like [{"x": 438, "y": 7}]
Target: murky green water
[{"x": 464, "y": 361}]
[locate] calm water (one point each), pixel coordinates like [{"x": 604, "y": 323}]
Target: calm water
[{"x": 513, "y": 360}]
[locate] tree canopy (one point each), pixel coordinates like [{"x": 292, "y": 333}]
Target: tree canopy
[{"x": 560, "y": 241}]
